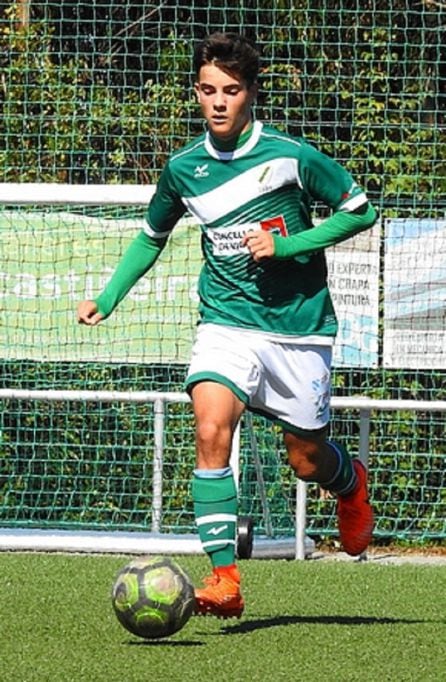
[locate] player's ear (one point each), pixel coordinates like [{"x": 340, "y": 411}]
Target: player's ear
[
  {"x": 254, "y": 91},
  {"x": 197, "y": 91}
]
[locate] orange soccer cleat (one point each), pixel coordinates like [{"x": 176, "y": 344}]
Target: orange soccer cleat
[
  {"x": 355, "y": 515},
  {"x": 221, "y": 597}
]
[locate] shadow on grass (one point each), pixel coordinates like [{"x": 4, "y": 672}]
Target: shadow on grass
[
  {"x": 279, "y": 621},
  {"x": 162, "y": 642}
]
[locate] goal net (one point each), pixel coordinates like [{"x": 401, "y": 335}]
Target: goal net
[
  {"x": 96, "y": 432},
  {"x": 95, "y": 96}
]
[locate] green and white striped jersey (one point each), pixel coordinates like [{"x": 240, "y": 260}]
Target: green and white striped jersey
[{"x": 269, "y": 182}]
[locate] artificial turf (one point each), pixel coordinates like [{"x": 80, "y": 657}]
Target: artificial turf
[{"x": 312, "y": 620}]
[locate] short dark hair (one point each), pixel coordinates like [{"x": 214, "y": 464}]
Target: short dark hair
[{"x": 233, "y": 53}]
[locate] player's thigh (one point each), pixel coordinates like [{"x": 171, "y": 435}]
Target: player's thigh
[
  {"x": 224, "y": 356},
  {"x": 215, "y": 405},
  {"x": 295, "y": 387}
]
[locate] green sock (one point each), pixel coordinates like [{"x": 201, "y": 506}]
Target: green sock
[
  {"x": 344, "y": 480},
  {"x": 215, "y": 506}
]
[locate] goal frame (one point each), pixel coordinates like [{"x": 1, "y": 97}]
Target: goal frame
[{"x": 298, "y": 547}]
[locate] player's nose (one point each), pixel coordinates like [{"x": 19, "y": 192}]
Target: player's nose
[{"x": 220, "y": 100}]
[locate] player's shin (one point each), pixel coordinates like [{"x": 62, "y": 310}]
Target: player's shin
[
  {"x": 344, "y": 478},
  {"x": 215, "y": 504},
  {"x": 355, "y": 514}
]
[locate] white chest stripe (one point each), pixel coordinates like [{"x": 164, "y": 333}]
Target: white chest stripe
[{"x": 232, "y": 195}]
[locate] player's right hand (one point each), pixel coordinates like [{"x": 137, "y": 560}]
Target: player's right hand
[{"x": 87, "y": 313}]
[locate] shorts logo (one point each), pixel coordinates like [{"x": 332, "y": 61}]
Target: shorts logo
[{"x": 321, "y": 393}]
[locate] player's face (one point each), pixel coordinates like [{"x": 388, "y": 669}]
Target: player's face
[{"x": 225, "y": 101}]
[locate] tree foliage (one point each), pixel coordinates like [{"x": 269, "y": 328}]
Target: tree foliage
[{"x": 101, "y": 92}]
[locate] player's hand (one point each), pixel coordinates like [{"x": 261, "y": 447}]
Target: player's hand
[
  {"x": 260, "y": 244},
  {"x": 87, "y": 313}
]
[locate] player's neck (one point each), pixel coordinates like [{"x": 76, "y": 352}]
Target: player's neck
[{"x": 233, "y": 143}]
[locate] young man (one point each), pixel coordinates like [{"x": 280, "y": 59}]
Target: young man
[{"x": 267, "y": 323}]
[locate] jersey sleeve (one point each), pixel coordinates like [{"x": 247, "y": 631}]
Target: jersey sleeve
[
  {"x": 165, "y": 207},
  {"x": 327, "y": 181},
  {"x": 337, "y": 228},
  {"x": 136, "y": 261}
]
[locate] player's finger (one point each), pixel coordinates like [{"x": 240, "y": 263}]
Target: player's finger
[
  {"x": 95, "y": 319},
  {"x": 258, "y": 254},
  {"x": 91, "y": 319},
  {"x": 249, "y": 238}
]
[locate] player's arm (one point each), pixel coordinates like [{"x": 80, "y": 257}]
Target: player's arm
[
  {"x": 136, "y": 261},
  {"x": 340, "y": 226},
  {"x": 326, "y": 181},
  {"x": 337, "y": 228},
  {"x": 164, "y": 211}
]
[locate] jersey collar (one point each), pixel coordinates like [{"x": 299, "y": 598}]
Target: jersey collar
[{"x": 238, "y": 152}]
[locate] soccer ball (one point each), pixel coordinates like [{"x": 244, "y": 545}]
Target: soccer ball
[{"x": 153, "y": 597}]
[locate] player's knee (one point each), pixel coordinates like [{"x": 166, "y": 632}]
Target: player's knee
[{"x": 213, "y": 439}]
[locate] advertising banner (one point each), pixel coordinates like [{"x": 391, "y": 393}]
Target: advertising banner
[
  {"x": 51, "y": 261},
  {"x": 353, "y": 268},
  {"x": 415, "y": 294}
]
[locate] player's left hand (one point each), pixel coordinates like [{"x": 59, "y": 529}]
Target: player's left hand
[{"x": 260, "y": 244}]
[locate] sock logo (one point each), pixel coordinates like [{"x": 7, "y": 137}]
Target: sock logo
[{"x": 216, "y": 530}]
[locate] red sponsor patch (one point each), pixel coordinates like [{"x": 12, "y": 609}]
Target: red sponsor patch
[{"x": 276, "y": 225}]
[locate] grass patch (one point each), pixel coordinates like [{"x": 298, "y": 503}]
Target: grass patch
[{"x": 308, "y": 620}]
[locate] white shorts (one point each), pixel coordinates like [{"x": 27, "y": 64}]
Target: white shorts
[{"x": 286, "y": 382}]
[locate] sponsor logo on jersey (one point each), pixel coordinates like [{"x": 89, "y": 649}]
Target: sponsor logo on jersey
[
  {"x": 275, "y": 225},
  {"x": 227, "y": 241}
]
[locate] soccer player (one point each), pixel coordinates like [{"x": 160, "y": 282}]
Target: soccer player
[{"x": 267, "y": 322}]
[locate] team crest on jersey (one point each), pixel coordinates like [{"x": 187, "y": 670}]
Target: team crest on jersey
[{"x": 201, "y": 171}]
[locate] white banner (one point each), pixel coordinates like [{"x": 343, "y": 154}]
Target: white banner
[
  {"x": 415, "y": 294},
  {"x": 353, "y": 276}
]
